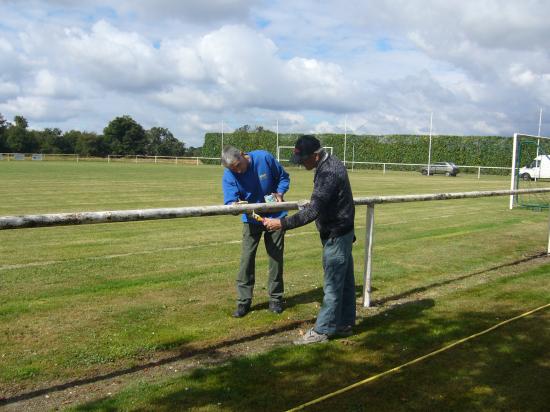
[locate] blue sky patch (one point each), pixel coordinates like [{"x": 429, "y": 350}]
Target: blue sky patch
[
  {"x": 262, "y": 23},
  {"x": 383, "y": 45}
]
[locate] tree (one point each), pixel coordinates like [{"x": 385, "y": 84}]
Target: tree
[
  {"x": 245, "y": 129},
  {"x": 194, "y": 151},
  {"x": 3, "y": 128},
  {"x": 19, "y": 139},
  {"x": 54, "y": 141},
  {"x": 125, "y": 136},
  {"x": 161, "y": 142},
  {"x": 89, "y": 144},
  {"x": 21, "y": 122}
]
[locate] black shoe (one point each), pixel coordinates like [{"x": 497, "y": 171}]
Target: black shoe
[
  {"x": 242, "y": 309},
  {"x": 344, "y": 331},
  {"x": 275, "y": 307}
]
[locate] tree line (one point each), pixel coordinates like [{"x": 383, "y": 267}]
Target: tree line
[{"x": 122, "y": 136}]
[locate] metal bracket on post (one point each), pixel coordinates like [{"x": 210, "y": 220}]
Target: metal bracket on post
[{"x": 368, "y": 255}]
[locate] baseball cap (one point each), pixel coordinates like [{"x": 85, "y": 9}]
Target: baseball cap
[{"x": 305, "y": 146}]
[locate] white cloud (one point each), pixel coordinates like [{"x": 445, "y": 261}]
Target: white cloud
[
  {"x": 39, "y": 108},
  {"x": 116, "y": 59},
  {"x": 8, "y": 90},
  {"x": 235, "y": 55},
  {"x": 181, "y": 98},
  {"x": 198, "y": 11},
  {"x": 49, "y": 85},
  {"x": 183, "y": 59},
  {"x": 246, "y": 65},
  {"x": 481, "y": 67}
]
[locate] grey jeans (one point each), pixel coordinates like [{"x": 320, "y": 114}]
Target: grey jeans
[
  {"x": 246, "y": 278},
  {"x": 338, "y": 308}
]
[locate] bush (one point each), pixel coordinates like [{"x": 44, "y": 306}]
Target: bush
[{"x": 495, "y": 151}]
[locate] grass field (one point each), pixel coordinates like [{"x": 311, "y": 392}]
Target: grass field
[{"x": 94, "y": 304}]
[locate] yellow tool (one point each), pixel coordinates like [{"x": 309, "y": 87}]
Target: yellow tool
[{"x": 257, "y": 217}]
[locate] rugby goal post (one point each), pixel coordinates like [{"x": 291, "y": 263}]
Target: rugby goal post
[
  {"x": 291, "y": 150},
  {"x": 530, "y": 168}
]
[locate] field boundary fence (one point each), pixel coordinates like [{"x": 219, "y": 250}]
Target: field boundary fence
[
  {"x": 200, "y": 160},
  {"x": 77, "y": 218},
  {"x": 194, "y": 160},
  {"x": 409, "y": 166}
]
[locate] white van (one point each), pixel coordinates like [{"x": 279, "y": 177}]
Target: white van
[{"x": 538, "y": 169}]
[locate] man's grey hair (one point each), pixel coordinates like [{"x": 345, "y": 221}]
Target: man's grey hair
[{"x": 230, "y": 155}]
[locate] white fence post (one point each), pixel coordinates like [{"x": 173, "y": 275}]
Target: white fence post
[
  {"x": 353, "y": 157},
  {"x": 369, "y": 238},
  {"x": 513, "y": 181}
]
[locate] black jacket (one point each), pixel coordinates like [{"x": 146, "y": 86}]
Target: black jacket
[{"x": 331, "y": 204}]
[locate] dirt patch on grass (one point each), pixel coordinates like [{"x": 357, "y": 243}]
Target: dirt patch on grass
[{"x": 108, "y": 380}]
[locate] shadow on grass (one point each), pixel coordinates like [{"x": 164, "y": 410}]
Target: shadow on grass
[
  {"x": 313, "y": 295},
  {"x": 455, "y": 279},
  {"x": 188, "y": 351},
  {"x": 505, "y": 369},
  {"x": 260, "y": 382}
]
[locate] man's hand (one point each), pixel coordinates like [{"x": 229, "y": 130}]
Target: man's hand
[
  {"x": 278, "y": 197},
  {"x": 272, "y": 224}
]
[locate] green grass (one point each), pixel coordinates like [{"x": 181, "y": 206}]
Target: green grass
[{"x": 86, "y": 300}]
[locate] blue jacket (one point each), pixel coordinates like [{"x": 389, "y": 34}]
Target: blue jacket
[{"x": 264, "y": 176}]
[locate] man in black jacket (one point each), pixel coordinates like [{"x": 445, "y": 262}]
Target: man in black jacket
[{"x": 332, "y": 208}]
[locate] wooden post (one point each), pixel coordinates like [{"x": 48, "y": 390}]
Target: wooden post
[{"x": 369, "y": 238}]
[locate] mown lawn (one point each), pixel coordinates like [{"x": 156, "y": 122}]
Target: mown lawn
[{"x": 86, "y": 300}]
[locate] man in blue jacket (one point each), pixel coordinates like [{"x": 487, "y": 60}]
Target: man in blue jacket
[{"x": 256, "y": 177}]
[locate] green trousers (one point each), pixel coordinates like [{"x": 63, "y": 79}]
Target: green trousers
[{"x": 274, "y": 245}]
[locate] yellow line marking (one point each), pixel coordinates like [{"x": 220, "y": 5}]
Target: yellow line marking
[{"x": 398, "y": 368}]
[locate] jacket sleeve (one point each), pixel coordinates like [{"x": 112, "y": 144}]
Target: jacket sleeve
[
  {"x": 280, "y": 175},
  {"x": 325, "y": 185},
  {"x": 230, "y": 190}
]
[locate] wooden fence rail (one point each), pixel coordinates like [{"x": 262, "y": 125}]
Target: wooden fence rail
[{"x": 78, "y": 218}]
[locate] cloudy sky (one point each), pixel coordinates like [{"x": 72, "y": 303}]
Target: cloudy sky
[{"x": 481, "y": 67}]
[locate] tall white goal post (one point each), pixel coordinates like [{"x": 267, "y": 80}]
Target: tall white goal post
[{"x": 537, "y": 144}]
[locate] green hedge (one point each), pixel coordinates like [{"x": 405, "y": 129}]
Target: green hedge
[{"x": 493, "y": 151}]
